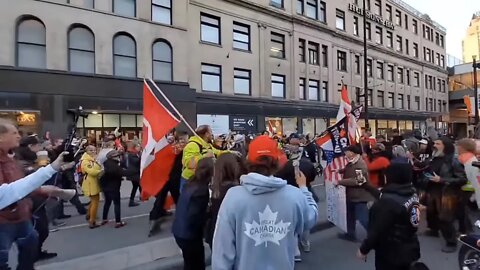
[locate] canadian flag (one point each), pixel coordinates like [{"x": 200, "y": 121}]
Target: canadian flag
[
  {"x": 158, "y": 154},
  {"x": 345, "y": 110}
]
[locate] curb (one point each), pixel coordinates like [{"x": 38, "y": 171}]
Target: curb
[{"x": 176, "y": 262}]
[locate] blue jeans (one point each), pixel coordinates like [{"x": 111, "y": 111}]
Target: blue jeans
[
  {"x": 356, "y": 211},
  {"x": 183, "y": 181},
  {"x": 26, "y": 238}
]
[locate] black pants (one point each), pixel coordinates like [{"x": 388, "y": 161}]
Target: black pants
[
  {"x": 171, "y": 186},
  {"x": 135, "y": 187},
  {"x": 68, "y": 182},
  {"x": 41, "y": 226},
  {"x": 382, "y": 265},
  {"x": 193, "y": 253},
  {"x": 109, "y": 197},
  {"x": 441, "y": 218},
  {"x": 463, "y": 214}
]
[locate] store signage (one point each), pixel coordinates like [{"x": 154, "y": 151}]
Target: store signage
[
  {"x": 26, "y": 119},
  {"x": 243, "y": 124},
  {"x": 371, "y": 16}
]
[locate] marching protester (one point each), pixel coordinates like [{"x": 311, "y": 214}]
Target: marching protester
[
  {"x": 133, "y": 165},
  {"x": 191, "y": 214},
  {"x": 444, "y": 178},
  {"x": 393, "y": 222},
  {"x": 377, "y": 164},
  {"x": 92, "y": 172},
  {"x": 357, "y": 196},
  {"x": 228, "y": 169},
  {"x": 284, "y": 210},
  {"x": 111, "y": 181}
]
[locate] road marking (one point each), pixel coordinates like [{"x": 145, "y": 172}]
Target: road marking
[{"x": 86, "y": 224}]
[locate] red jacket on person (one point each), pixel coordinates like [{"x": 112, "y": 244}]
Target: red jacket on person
[{"x": 375, "y": 168}]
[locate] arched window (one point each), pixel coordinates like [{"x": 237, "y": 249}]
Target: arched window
[
  {"x": 162, "y": 61},
  {"x": 31, "y": 43},
  {"x": 81, "y": 50},
  {"x": 124, "y": 56}
]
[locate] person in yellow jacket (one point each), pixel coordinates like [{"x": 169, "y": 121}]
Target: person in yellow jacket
[
  {"x": 92, "y": 171},
  {"x": 198, "y": 147}
]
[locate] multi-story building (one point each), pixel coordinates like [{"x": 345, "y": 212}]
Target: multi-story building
[
  {"x": 471, "y": 42},
  {"x": 276, "y": 64}
]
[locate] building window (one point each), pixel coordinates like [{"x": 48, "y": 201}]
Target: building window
[
  {"x": 437, "y": 59},
  {"x": 241, "y": 36},
  {"x": 278, "y": 86},
  {"x": 398, "y": 17},
  {"x": 210, "y": 29},
  {"x": 427, "y": 53},
  {"x": 355, "y": 26},
  {"x": 370, "y": 97},
  {"x": 313, "y": 49},
  {"x": 162, "y": 11},
  {"x": 389, "y": 39},
  {"x": 368, "y": 26},
  {"x": 340, "y": 22},
  {"x": 325, "y": 55},
  {"x": 301, "y": 48},
  {"x": 400, "y": 75},
  {"x": 444, "y": 86},
  {"x": 442, "y": 43},
  {"x": 312, "y": 9},
  {"x": 378, "y": 7},
  {"x": 439, "y": 105},
  {"x": 276, "y": 3},
  {"x": 437, "y": 38},
  {"x": 381, "y": 99},
  {"x": 278, "y": 45},
  {"x": 430, "y": 102},
  {"x": 162, "y": 61},
  {"x": 86, "y": 3},
  {"x": 417, "y": 103},
  {"x": 391, "y": 100},
  {"x": 415, "y": 26},
  {"x": 408, "y": 103},
  {"x": 241, "y": 81},
  {"x": 389, "y": 12},
  {"x": 400, "y": 101},
  {"x": 399, "y": 44},
  {"x": 324, "y": 92},
  {"x": 416, "y": 79},
  {"x": 444, "y": 105},
  {"x": 442, "y": 61},
  {"x": 415, "y": 50},
  {"x": 313, "y": 90},
  {"x": 300, "y": 7},
  {"x": 301, "y": 89},
  {"x": 125, "y": 7},
  {"x": 406, "y": 21},
  {"x": 407, "y": 47},
  {"x": 81, "y": 50},
  {"x": 369, "y": 68},
  {"x": 380, "y": 74},
  {"x": 323, "y": 11},
  {"x": 31, "y": 44},
  {"x": 439, "y": 85},
  {"x": 427, "y": 85},
  {"x": 211, "y": 78},
  {"x": 341, "y": 61},
  {"x": 124, "y": 56},
  {"x": 357, "y": 64},
  {"x": 379, "y": 35},
  {"x": 407, "y": 72},
  {"x": 390, "y": 73}
]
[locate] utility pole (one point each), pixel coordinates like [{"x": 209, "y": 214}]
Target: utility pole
[
  {"x": 365, "y": 75},
  {"x": 475, "y": 85}
]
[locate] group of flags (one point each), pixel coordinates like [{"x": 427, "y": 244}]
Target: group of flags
[
  {"x": 158, "y": 156},
  {"x": 338, "y": 136}
]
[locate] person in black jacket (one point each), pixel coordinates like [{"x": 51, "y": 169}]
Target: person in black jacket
[
  {"x": 191, "y": 215},
  {"x": 393, "y": 222},
  {"x": 111, "y": 182},
  {"x": 133, "y": 166}
]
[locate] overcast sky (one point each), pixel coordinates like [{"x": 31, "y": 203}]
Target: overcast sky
[{"x": 455, "y": 15}]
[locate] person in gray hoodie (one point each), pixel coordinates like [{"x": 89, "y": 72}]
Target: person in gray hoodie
[{"x": 258, "y": 221}]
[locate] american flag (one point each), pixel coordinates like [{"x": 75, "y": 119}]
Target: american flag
[
  {"x": 335, "y": 161},
  {"x": 331, "y": 170}
]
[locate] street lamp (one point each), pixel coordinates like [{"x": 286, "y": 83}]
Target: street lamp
[{"x": 365, "y": 79}]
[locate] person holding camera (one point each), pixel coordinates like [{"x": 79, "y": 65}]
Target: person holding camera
[{"x": 355, "y": 175}]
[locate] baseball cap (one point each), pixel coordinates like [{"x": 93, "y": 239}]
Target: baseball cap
[{"x": 264, "y": 146}]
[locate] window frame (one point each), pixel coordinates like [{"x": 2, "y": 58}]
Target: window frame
[
  {"x": 378, "y": 7},
  {"x": 315, "y": 88},
  {"x": 322, "y": 15},
  {"x": 170, "y": 9},
  {"x": 390, "y": 39},
  {"x": 400, "y": 75},
  {"x": 28, "y": 43},
  {"x": 238, "y": 31},
  {"x": 209, "y": 73},
  {"x": 401, "y": 101},
  {"x": 390, "y": 73},
  {"x": 242, "y": 77},
  {"x": 302, "y": 91},
  {"x": 325, "y": 55},
  {"x": 280, "y": 5},
  {"x": 283, "y": 82},
  {"x": 399, "y": 43},
  {"x": 341, "y": 61},
  {"x": 389, "y": 11},
  {"x": 134, "y": 9},
  {"x": 302, "y": 50},
  {"x": 69, "y": 48},
  {"x": 381, "y": 99},
  {"x": 398, "y": 17},
  {"x": 211, "y": 25},
  {"x": 379, "y": 35},
  {"x": 314, "y": 6},
  {"x": 417, "y": 103},
  {"x": 162, "y": 61},
  {"x": 415, "y": 26},
  {"x": 313, "y": 52},
  {"x": 381, "y": 68},
  {"x": 370, "y": 67},
  {"x": 340, "y": 18},
  {"x": 391, "y": 100},
  {"x": 324, "y": 91},
  {"x": 357, "y": 64},
  {"x": 272, "y": 42},
  {"x": 114, "y": 54},
  {"x": 356, "y": 31}
]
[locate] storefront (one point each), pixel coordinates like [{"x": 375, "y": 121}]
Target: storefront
[{"x": 28, "y": 122}]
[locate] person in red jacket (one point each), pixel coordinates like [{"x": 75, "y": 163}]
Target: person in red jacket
[{"x": 377, "y": 165}]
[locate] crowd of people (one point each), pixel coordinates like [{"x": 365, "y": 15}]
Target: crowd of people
[{"x": 250, "y": 197}]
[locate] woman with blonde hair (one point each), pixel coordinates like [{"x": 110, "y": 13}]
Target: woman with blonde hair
[{"x": 92, "y": 172}]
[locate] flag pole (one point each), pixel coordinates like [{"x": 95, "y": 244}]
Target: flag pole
[{"x": 171, "y": 105}]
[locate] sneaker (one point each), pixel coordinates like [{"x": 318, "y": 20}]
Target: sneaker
[
  {"x": 305, "y": 246},
  {"x": 44, "y": 255},
  {"x": 298, "y": 258},
  {"x": 133, "y": 204},
  {"x": 449, "y": 249}
]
